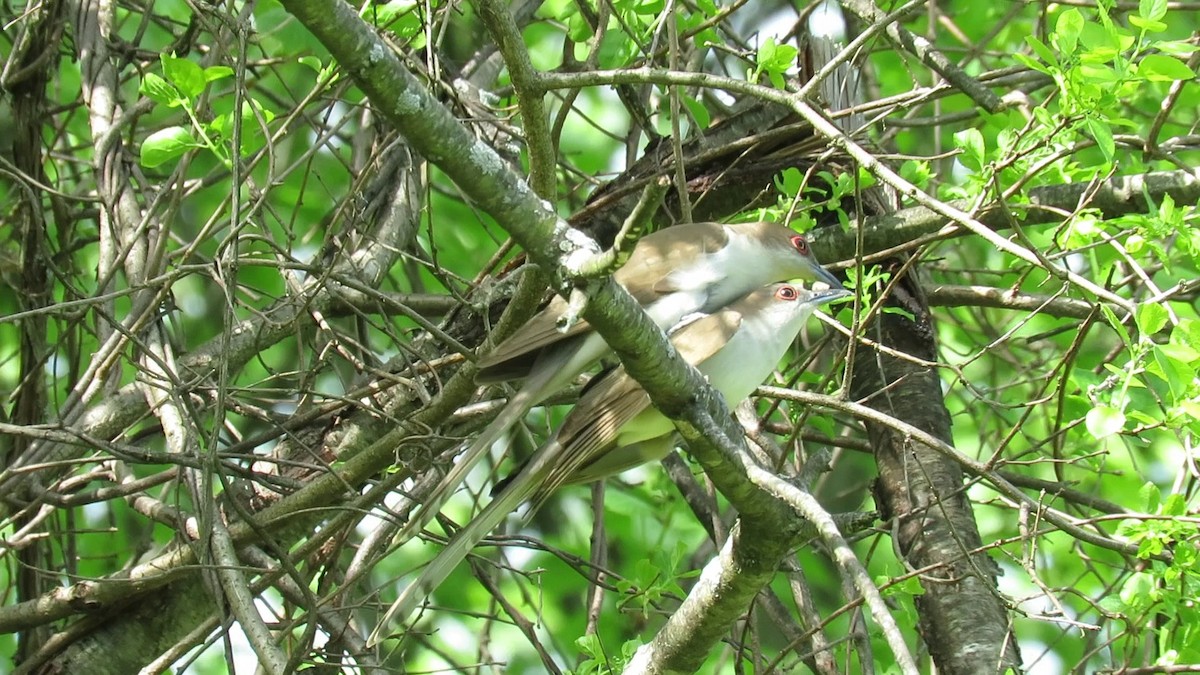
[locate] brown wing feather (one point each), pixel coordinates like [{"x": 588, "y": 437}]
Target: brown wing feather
[
  {"x": 513, "y": 358},
  {"x": 591, "y": 430},
  {"x": 596, "y": 421},
  {"x": 667, "y": 249}
]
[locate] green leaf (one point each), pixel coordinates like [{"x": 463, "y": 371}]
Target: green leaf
[
  {"x": 1152, "y": 10},
  {"x": 1178, "y": 373},
  {"x": 1103, "y": 43},
  {"x": 766, "y": 52},
  {"x": 1104, "y": 421},
  {"x": 187, "y": 77},
  {"x": 900, "y": 311},
  {"x": 214, "y": 73},
  {"x": 558, "y": 10},
  {"x": 775, "y": 58},
  {"x": 312, "y": 62},
  {"x": 1116, "y": 324},
  {"x": 220, "y": 129},
  {"x": 1160, "y": 68},
  {"x": 1166, "y": 210},
  {"x": 1113, "y": 605},
  {"x": 401, "y": 18},
  {"x": 707, "y": 38},
  {"x": 1138, "y": 590},
  {"x": 1175, "y": 505},
  {"x": 1100, "y": 131},
  {"x": 1150, "y": 318},
  {"x": 384, "y": 14},
  {"x": 166, "y": 144},
  {"x": 1067, "y": 30},
  {"x": 1185, "y": 555},
  {"x": 1044, "y": 53},
  {"x": 650, "y": 7},
  {"x": 1081, "y": 231},
  {"x": 912, "y": 586},
  {"x": 616, "y": 50},
  {"x": 1174, "y": 48},
  {"x": 917, "y": 172},
  {"x": 785, "y": 56},
  {"x": 1100, "y": 74},
  {"x": 1030, "y": 63},
  {"x": 1142, "y": 418},
  {"x": 1188, "y": 332},
  {"x": 159, "y": 90},
  {"x": 1134, "y": 243},
  {"x": 1179, "y": 349},
  {"x": 698, "y": 111},
  {"x": 1134, "y": 529},
  {"x": 579, "y": 30},
  {"x": 789, "y": 181},
  {"x": 971, "y": 142},
  {"x": 1148, "y": 26},
  {"x": 1151, "y": 497}
]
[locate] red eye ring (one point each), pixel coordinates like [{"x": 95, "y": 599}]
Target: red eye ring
[
  {"x": 787, "y": 293},
  {"x": 800, "y": 244}
]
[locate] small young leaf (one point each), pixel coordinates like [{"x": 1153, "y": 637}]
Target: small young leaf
[
  {"x": 1100, "y": 74},
  {"x": 1148, "y": 26},
  {"x": 312, "y": 62},
  {"x": 785, "y": 57},
  {"x": 916, "y": 172},
  {"x": 1134, "y": 243},
  {"x": 766, "y": 52},
  {"x": 1152, "y": 10},
  {"x": 160, "y": 91},
  {"x": 166, "y": 144},
  {"x": 1043, "y": 52},
  {"x": 1030, "y": 63},
  {"x": 1101, "y": 45},
  {"x": 971, "y": 142},
  {"x": 789, "y": 181},
  {"x": 649, "y": 7},
  {"x": 1151, "y": 497},
  {"x": 1104, "y": 138},
  {"x": 1150, "y": 317},
  {"x": 698, "y": 111},
  {"x": 1159, "y": 68},
  {"x": 221, "y": 126},
  {"x": 1104, "y": 421},
  {"x": 187, "y": 77},
  {"x": 1174, "y": 48},
  {"x": 1175, "y": 505},
  {"x": 775, "y": 59},
  {"x": 1116, "y": 324},
  {"x": 1067, "y": 30},
  {"x": 214, "y": 73}
]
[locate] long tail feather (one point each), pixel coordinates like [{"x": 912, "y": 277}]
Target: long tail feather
[
  {"x": 554, "y": 370},
  {"x": 528, "y": 396},
  {"x": 517, "y": 491}
]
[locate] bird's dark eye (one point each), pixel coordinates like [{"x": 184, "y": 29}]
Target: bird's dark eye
[
  {"x": 800, "y": 244},
  {"x": 787, "y": 292}
]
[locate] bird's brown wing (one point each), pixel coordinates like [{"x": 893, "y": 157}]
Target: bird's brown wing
[
  {"x": 513, "y": 358},
  {"x": 592, "y": 428},
  {"x": 643, "y": 272},
  {"x": 516, "y": 356}
]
